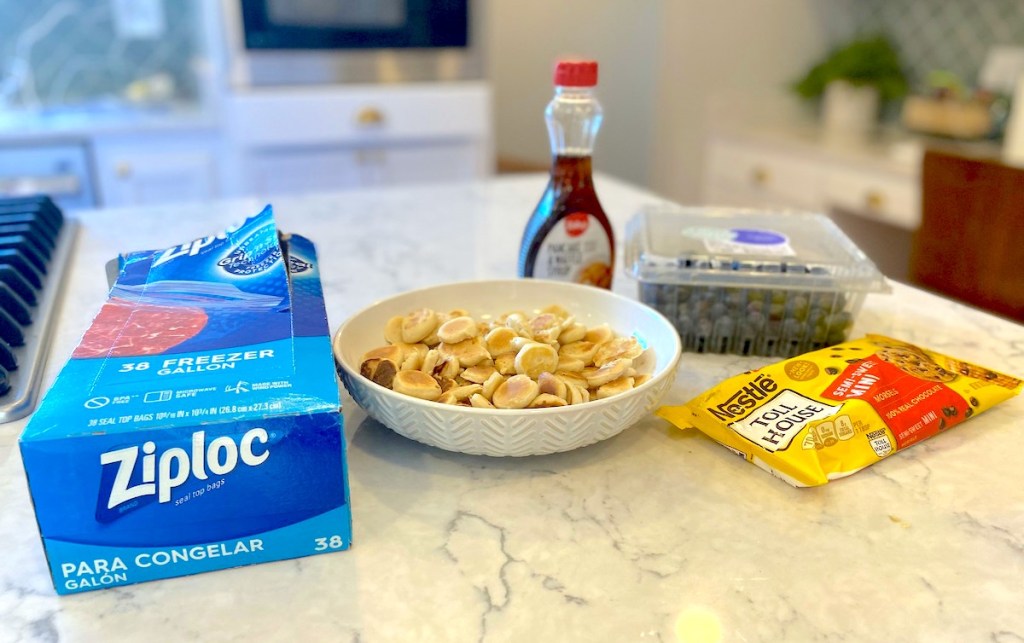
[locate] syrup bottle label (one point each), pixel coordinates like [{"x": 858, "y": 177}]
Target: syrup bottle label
[{"x": 577, "y": 249}]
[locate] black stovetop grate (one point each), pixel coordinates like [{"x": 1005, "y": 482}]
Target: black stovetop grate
[{"x": 35, "y": 242}]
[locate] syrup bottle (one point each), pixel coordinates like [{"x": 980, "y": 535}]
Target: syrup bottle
[{"x": 569, "y": 237}]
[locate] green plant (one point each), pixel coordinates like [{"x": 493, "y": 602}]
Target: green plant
[{"x": 867, "y": 61}]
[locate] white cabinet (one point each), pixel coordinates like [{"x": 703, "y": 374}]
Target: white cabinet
[
  {"x": 769, "y": 171},
  {"x": 60, "y": 169},
  {"x": 287, "y": 140},
  {"x": 874, "y": 198},
  {"x": 875, "y": 195},
  {"x": 261, "y": 142},
  {"x": 157, "y": 168},
  {"x": 296, "y": 170},
  {"x": 740, "y": 174}
]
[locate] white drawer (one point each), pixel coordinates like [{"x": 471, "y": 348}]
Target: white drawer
[
  {"x": 158, "y": 168},
  {"x": 769, "y": 177},
  {"x": 290, "y": 117},
  {"x": 894, "y": 200},
  {"x": 288, "y": 171}
]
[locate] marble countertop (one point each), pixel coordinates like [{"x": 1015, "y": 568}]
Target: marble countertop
[{"x": 656, "y": 534}]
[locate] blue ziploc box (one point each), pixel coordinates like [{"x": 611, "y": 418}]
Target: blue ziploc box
[{"x": 197, "y": 425}]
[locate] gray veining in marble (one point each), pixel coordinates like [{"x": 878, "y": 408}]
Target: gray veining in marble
[{"x": 657, "y": 534}]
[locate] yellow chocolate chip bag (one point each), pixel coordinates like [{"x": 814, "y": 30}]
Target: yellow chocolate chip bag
[{"x": 830, "y": 413}]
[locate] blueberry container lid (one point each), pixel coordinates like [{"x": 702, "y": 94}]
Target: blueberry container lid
[{"x": 734, "y": 247}]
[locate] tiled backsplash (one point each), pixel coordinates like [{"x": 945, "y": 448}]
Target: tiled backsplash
[
  {"x": 72, "y": 52},
  {"x": 952, "y": 35}
]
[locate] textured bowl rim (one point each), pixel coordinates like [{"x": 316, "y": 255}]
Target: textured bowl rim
[{"x": 668, "y": 370}]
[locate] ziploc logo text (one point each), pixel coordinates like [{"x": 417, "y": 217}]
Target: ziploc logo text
[
  {"x": 192, "y": 248},
  {"x": 136, "y": 480}
]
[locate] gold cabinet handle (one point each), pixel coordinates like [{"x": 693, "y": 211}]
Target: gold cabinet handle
[
  {"x": 369, "y": 117},
  {"x": 874, "y": 200},
  {"x": 761, "y": 176},
  {"x": 123, "y": 170}
]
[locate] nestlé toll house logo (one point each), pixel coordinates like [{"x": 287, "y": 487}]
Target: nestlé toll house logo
[{"x": 745, "y": 399}]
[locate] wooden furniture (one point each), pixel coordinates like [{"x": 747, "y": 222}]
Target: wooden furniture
[{"x": 970, "y": 245}]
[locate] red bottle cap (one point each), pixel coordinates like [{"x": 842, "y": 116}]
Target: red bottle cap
[{"x": 576, "y": 73}]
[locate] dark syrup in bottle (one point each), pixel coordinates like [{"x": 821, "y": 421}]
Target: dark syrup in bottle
[{"x": 569, "y": 237}]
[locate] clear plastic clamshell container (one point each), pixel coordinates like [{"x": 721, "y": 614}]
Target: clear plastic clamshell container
[{"x": 749, "y": 282}]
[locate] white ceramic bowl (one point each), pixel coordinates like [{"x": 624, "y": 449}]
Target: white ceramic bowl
[{"x": 507, "y": 432}]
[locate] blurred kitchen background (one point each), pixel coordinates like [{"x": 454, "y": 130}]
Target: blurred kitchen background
[{"x": 107, "y": 103}]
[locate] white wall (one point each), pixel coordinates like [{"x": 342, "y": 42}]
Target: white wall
[
  {"x": 526, "y": 37},
  {"x": 716, "y": 57},
  {"x": 666, "y": 66}
]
